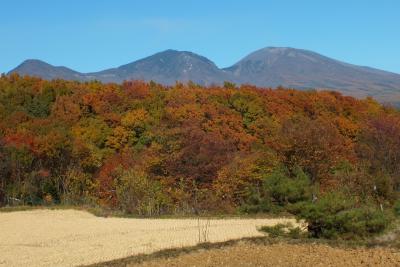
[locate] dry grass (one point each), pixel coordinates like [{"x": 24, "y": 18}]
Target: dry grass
[{"x": 72, "y": 238}]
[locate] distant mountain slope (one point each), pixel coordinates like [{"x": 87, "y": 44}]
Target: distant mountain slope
[
  {"x": 274, "y": 66},
  {"x": 267, "y": 67},
  {"x": 34, "y": 67},
  {"x": 165, "y": 67}
]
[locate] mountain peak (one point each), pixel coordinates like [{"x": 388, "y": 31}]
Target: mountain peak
[
  {"x": 33, "y": 62},
  {"x": 30, "y": 61},
  {"x": 275, "y": 52},
  {"x": 170, "y": 66},
  {"x": 39, "y": 68},
  {"x": 267, "y": 67},
  {"x": 303, "y": 69},
  {"x": 172, "y": 54},
  {"x": 275, "y": 49}
]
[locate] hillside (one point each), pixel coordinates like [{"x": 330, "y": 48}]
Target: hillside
[{"x": 185, "y": 149}]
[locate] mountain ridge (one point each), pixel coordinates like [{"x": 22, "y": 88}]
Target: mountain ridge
[{"x": 266, "y": 67}]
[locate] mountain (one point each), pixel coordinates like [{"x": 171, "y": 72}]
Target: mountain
[
  {"x": 34, "y": 67},
  {"x": 165, "y": 67},
  {"x": 302, "y": 69},
  {"x": 267, "y": 67}
]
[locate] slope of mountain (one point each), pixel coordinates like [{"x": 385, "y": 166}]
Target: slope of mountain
[
  {"x": 296, "y": 68},
  {"x": 34, "y": 67},
  {"x": 165, "y": 67},
  {"x": 267, "y": 67}
]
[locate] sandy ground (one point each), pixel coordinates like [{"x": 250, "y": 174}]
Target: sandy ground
[
  {"x": 72, "y": 238},
  {"x": 282, "y": 255}
]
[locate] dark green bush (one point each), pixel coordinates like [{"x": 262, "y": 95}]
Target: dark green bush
[
  {"x": 295, "y": 233},
  {"x": 279, "y": 189},
  {"x": 336, "y": 215},
  {"x": 396, "y": 208},
  {"x": 257, "y": 203},
  {"x": 283, "y": 230},
  {"x": 274, "y": 231},
  {"x": 284, "y": 189}
]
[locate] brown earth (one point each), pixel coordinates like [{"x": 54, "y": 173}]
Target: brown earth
[
  {"x": 73, "y": 238},
  {"x": 281, "y": 254}
]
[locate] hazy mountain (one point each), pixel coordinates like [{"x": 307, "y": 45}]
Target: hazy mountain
[
  {"x": 165, "y": 67},
  {"x": 34, "y": 67},
  {"x": 274, "y": 66},
  {"x": 268, "y": 67}
]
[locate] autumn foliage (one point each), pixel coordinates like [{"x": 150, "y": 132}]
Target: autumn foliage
[{"x": 194, "y": 149}]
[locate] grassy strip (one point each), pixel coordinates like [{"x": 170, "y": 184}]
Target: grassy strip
[
  {"x": 93, "y": 210},
  {"x": 102, "y": 212}
]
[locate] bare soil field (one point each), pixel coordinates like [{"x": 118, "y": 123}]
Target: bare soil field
[
  {"x": 282, "y": 255},
  {"x": 73, "y": 238}
]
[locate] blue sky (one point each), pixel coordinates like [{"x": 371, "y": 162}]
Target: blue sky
[{"x": 90, "y": 35}]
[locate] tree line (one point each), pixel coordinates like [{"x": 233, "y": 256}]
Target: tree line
[{"x": 149, "y": 149}]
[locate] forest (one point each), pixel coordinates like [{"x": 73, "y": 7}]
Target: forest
[{"x": 149, "y": 149}]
